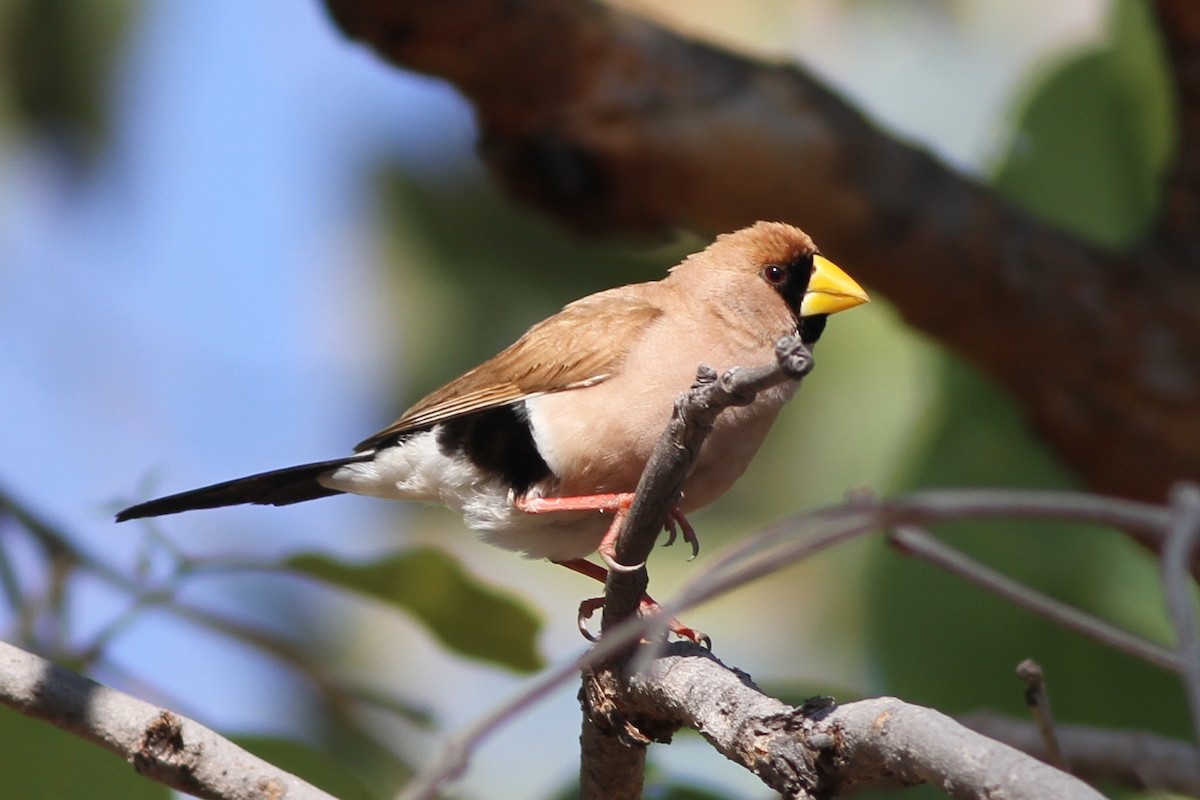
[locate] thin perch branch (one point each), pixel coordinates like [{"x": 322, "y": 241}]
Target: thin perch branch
[{"x": 1179, "y": 590}]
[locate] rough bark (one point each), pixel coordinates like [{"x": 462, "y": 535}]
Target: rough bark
[{"x": 821, "y": 749}]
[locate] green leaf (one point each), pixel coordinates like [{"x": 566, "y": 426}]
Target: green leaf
[
  {"x": 1093, "y": 140},
  {"x": 39, "y": 760},
  {"x": 470, "y": 618},
  {"x": 57, "y": 61}
]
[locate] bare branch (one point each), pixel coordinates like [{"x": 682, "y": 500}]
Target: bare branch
[
  {"x": 913, "y": 541},
  {"x": 160, "y": 744},
  {"x": 1177, "y": 556},
  {"x": 821, "y": 749},
  {"x": 1128, "y": 757}
]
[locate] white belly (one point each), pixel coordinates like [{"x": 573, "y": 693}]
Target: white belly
[{"x": 417, "y": 469}]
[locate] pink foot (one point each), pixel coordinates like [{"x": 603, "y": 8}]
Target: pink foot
[
  {"x": 619, "y": 503},
  {"x": 646, "y": 606}
]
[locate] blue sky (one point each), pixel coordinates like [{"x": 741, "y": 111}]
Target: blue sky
[{"x": 151, "y": 309}]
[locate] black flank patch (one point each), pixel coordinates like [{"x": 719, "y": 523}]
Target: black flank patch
[{"x": 498, "y": 441}]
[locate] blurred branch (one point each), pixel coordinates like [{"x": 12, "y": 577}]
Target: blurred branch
[
  {"x": 160, "y": 744},
  {"x": 913, "y": 541},
  {"x": 60, "y": 550},
  {"x": 623, "y": 126},
  {"x": 1178, "y": 553},
  {"x": 1037, "y": 699},
  {"x": 797, "y": 537},
  {"x": 1130, "y": 758}
]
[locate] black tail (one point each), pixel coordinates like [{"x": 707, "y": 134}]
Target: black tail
[{"x": 279, "y": 487}]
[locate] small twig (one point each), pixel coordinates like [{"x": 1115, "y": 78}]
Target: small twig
[
  {"x": 1038, "y": 701},
  {"x": 914, "y": 541},
  {"x": 1182, "y": 538},
  {"x": 777, "y": 545}
]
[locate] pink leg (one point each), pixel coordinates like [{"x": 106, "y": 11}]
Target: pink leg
[
  {"x": 647, "y": 605},
  {"x": 616, "y": 502},
  {"x": 583, "y": 502}
]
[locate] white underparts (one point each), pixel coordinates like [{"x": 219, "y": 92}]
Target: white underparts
[{"x": 417, "y": 469}]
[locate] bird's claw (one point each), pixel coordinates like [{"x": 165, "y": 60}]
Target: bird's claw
[
  {"x": 610, "y": 560},
  {"x": 676, "y": 517},
  {"x": 586, "y": 609},
  {"x": 589, "y": 607}
]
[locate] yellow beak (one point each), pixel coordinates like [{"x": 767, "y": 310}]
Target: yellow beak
[{"x": 830, "y": 290}]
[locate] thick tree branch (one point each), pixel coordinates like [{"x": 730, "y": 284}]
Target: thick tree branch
[
  {"x": 821, "y": 749},
  {"x": 160, "y": 744},
  {"x": 613, "y": 124}
]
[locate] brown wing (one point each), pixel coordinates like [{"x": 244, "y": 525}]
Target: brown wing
[{"x": 582, "y": 345}]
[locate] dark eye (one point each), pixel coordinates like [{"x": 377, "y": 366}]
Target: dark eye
[{"x": 775, "y": 274}]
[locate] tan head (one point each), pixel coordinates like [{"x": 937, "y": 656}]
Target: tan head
[{"x": 772, "y": 271}]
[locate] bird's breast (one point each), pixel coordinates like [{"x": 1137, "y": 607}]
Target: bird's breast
[{"x": 598, "y": 440}]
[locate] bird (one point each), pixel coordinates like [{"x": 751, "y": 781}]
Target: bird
[{"x": 542, "y": 446}]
